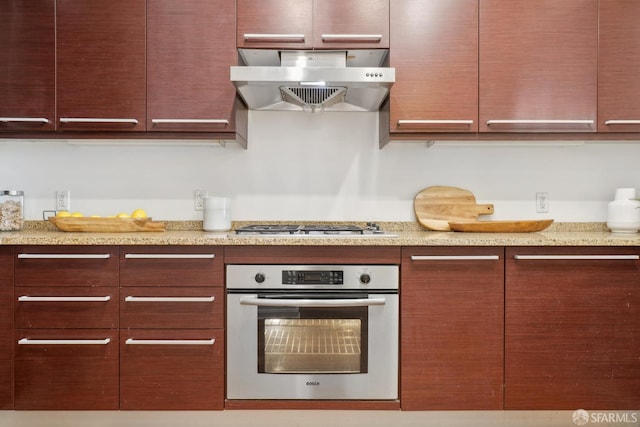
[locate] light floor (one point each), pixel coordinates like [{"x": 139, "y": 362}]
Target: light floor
[{"x": 306, "y": 418}]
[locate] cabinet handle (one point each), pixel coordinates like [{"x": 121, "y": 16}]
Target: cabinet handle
[
  {"x": 169, "y": 299},
  {"x": 267, "y": 302},
  {"x": 24, "y": 119},
  {"x": 454, "y": 257},
  {"x": 133, "y": 341},
  {"x": 169, "y": 256},
  {"x": 578, "y": 257},
  {"x": 190, "y": 121},
  {"x": 26, "y": 298},
  {"x": 64, "y": 256},
  {"x": 96, "y": 120},
  {"x": 622, "y": 122},
  {"x": 435, "y": 122},
  {"x": 540, "y": 122},
  {"x": 25, "y": 341},
  {"x": 358, "y": 37},
  {"x": 279, "y": 37}
]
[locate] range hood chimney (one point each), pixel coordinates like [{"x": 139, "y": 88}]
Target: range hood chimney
[{"x": 353, "y": 80}]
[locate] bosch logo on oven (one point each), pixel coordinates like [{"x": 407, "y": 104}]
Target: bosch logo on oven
[{"x": 313, "y": 383}]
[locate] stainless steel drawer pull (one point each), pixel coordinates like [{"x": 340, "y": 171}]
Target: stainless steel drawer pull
[
  {"x": 539, "y": 122},
  {"x": 190, "y": 121},
  {"x": 133, "y": 341},
  {"x": 578, "y": 257},
  {"x": 454, "y": 257},
  {"x": 622, "y": 122},
  {"x": 373, "y": 37},
  {"x": 356, "y": 302},
  {"x": 265, "y": 36},
  {"x": 25, "y": 341},
  {"x": 169, "y": 256},
  {"x": 169, "y": 299},
  {"x": 64, "y": 256},
  {"x": 435, "y": 122},
  {"x": 26, "y": 298},
  {"x": 24, "y": 119},
  {"x": 96, "y": 120}
]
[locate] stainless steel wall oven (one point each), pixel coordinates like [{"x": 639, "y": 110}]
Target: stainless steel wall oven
[{"x": 312, "y": 332}]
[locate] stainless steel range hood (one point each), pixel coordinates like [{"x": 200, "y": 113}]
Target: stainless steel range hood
[{"x": 354, "y": 80}]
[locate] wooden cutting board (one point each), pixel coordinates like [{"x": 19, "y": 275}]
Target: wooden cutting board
[
  {"x": 106, "y": 225},
  {"x": 521, "y": 226},
  {"x": 436, "y": 206}
]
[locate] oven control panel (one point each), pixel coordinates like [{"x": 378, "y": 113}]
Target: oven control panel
[{"x": 312, "y": 277}]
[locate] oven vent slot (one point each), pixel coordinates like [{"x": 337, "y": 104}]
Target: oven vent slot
[{"x": 313, "y": 96}]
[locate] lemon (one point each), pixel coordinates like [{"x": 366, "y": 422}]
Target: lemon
[
  {"x": 63, "y": 214},
  {"x": 123, "y": 215},
  {"x": 77, "y": 215},
  {"x": 95, "y": 216},
  {"x": 138, "y": 213}
]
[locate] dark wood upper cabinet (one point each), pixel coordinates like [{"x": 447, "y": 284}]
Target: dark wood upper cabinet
[
  {"x": 538, "y": 65},
  {"x": 434, "y": 49},
  {"x": 100, "y": 48},
  {"x": 618, "y": 64},
  {"x": 190, "y": 47},
  {"x": 27, "y": 65},
  {"x": 305, "y": 24}
]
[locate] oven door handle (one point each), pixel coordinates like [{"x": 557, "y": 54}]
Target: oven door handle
[{"x": 346, "y": 302}]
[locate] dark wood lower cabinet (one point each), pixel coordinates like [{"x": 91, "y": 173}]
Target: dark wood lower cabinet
[
  {"x": 66, "y": 369},
  {"x": 572, "y": 328},
  {"x": 172, "y": 369}
]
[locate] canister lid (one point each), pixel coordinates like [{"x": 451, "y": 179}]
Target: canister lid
[{"x": 11, "y": 193}]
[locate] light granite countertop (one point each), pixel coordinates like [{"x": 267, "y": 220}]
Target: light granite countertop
[{"x": 398, "y": 234}]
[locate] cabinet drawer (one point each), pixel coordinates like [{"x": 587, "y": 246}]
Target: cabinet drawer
[
  {"x": 171, "y": 266},
  {"x": 66, "y": 266},
  {"x": 176, "y": 370},
  {"x": 66, "y": 369},
  {"x": 66, "y": 307},
  {"x": 164, "y": 307}
]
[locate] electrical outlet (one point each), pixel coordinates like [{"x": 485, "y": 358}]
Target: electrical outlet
[
  {"x": 198, "y": 199},
  {"x": 542, "y": 202},
  {"x": 63, "y": 200}
]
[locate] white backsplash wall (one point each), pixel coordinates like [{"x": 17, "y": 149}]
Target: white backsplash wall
[{"x": 323, "y": 166}]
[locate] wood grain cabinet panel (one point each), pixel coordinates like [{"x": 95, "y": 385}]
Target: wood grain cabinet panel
[
  {"x": 538, "y": 66},
  {"x": 172, "y": 369},
  {"x": 66, "y": 369},
  {"x": 434, "y": 49},
  {"x": 100, "y": 50},
  {"x": 572, "y": 322},
  {"x": 192, "y": 266},
  {"x": 6, "y": 327},
  {"x": 274, "y": 24},
  {"x": 190, "y": 47},
  {"x": 27, "y": 65},
  {"x": 451, "y": 328},
  {"x": 618, "y": 62},
  {"x": 351, "y": 24}
]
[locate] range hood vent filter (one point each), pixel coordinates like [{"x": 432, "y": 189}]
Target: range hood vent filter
[{"x": 313, "y": 97}]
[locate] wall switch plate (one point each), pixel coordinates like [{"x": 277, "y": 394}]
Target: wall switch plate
[
  {"x": 63, "y": 200},
  {"x": 198, "y": 199},
  {"x": 542, "y": 202}
]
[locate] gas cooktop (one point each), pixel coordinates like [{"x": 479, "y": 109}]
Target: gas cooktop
[{"x": 310, "y": 229}]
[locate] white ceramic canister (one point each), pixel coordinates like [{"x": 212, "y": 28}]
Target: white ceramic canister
[
  {"x": 217, "y": 214},
  {"x": 623, "y": 213}
]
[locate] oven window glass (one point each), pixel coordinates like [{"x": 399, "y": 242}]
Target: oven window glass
[{"x": 312, "y": 340}]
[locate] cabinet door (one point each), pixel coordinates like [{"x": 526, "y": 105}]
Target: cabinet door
[
  {"x": 619, "y": 60},
  {"x": 172, "y": 369},
  {"x": 66, "y": 369},
  {"x": 451, "y": 328},
  {"x": 572, "y": 322},
  {"x": 6, "y": 327},
  {"x": 274, "y": 24},
  {"x": 435, "y": 53},
  {"x": 27, "y": 65},
  {"x": 351, "y": 23},
  {"x": 538, "y": 65},
  {"x": 101, "y": 65},
  {"x": 190, "y": 47}
]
